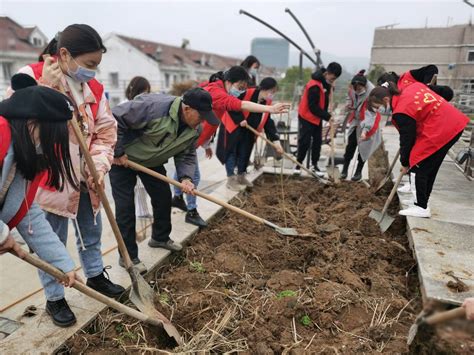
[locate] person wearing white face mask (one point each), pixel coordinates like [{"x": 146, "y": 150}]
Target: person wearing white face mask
[
  {"x": 69, "y": 63},
  {"x": 235, "y": 142},
  {"x": 252, "y": 65},
  {"x": 362, "y": 120}
]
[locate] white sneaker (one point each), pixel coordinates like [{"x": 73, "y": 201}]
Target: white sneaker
[
  {"x": 233, "y": 184},
  {"x": 408, "y": 201},
  {"x": 297, "y": 171},
  {"x": 318, "y": 172},
  {"x": 416, "y": 211},
  {"x": 405, "y": 188}
]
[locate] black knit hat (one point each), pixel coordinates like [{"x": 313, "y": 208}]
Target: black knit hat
[
  {"x": 359, "y": 79},
  {"x": 35, "y": 102}
]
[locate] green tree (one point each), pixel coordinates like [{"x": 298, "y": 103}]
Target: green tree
[
  {"x": 291, "y": 80},
  {"x": 375, "y": 73}
]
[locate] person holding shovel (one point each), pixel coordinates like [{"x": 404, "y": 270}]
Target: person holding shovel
[
  {"x": 69, "y": 64},
  {"x": 428, "y": 127},
  {"x": 313, "y": 108},
  {"x": 34, "y": 147},
  {"x": 235, "y": 142},
  {"x": 363, "y": 129},
  {"x": 153, "y": 128},
  {"x": 225, "y": 89}
]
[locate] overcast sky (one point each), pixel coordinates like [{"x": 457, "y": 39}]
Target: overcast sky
[{"x": 343, "y": 28}]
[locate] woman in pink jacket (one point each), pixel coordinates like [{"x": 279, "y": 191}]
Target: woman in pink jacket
[{"x": 69, "y": 63}]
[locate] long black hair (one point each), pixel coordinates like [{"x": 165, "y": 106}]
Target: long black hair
[
  {"x": 77, "y": 39},
  {"x": 233, "y": 75},
  {"x": 54, "y": 158},
  {"x": 138, "y": 85},
  {"x": 249, "y": 61}
]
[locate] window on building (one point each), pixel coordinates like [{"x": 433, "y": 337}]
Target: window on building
[
  {"x": 167, "y": 80},
  {"x": 114, "y": 80},
  {"x": 37, "y": 42},
  {"x": 7, "y": 70},
  {"x": 470, "y": 56},
  {"x": 468, "y": 86}
]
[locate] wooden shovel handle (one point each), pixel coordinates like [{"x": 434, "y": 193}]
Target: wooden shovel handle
[
  {"x": 392, "y": 193},
  {"x": 286, "y": 155},
  {"x": 441, "y": 317},
  {"x": 392, "y": 164},
  {"x": 164, "y": 178},
  {"x": 58, "y": 274}
]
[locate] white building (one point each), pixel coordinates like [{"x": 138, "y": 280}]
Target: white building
[
  {"x": 162, "y": 64},
  {"x": 19, "y": 46}
]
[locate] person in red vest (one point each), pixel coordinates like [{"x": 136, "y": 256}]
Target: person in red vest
[
  {"x": 225, "y": 89},
  {"x": 70, "y": 63},
  {"x": 363, "y": 125},
  {"x": 428, "y": 127},
  {"x": 33, "y": 144},
  {"x": 235, "y": 142},
  {"x": 312, "y": 109}
]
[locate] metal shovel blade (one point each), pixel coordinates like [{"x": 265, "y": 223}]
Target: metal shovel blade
[
  {"x": 384, "y": 221},
  {"x": 142, "y": 296},
  {"x": 334, "y": 174},
  {"x": 281, "y": 230}
]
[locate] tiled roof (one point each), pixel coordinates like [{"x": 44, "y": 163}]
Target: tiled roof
[
  {"x": 14, "y": 37},
  {"x": 177, "y": 56}
]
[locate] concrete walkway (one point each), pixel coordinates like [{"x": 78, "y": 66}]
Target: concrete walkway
[{"x": 443, "y": 245}]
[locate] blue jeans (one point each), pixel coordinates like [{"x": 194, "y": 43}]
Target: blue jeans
[
  {"x": 91, "y": 257},
  {"x": 190, "y": 199}
]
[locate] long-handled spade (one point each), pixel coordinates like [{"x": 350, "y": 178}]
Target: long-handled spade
[
  {"x": 56, "y": 273},
  {"x": 141, "y": 294},
  {"x": 389, "y": 172},
  {"x": 288, "y": 156},
  {"x": 333, "y": 171},
  {"x": 437, "y": 318},
  {"x": 382, "y": 218},
  {"x": 281, "y": 230}
]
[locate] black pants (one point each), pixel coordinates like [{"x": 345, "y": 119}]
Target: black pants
[
  {"x": 426, "y": 171},
  {"x": 306, "y": 132},
  {"x": 350, "y": 150},
  {"x": 123, "y": 181}
]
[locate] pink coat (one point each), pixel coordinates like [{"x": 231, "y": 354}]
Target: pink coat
[{"x": 101, "y": 139}]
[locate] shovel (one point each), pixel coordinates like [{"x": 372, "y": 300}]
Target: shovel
[
  {"x": 437, "y": 318},
  {"x": 382, "y": 218},
  {"x": 141, "y": 293},
  {"x": 389, "y": 172},
  {"x": 333, "y": 171},
  {"x": 281, "y": 230},
  {"x": 288, "y": 156},
  {"x": 156, "y": 318}
]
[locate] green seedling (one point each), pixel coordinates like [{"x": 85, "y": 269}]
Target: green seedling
[
  {"x": 305, "y": 320},
  {"x": 286, "y": 293},
  {"x": 164, "y": 298},
  {"x": 196, "y": 266}
]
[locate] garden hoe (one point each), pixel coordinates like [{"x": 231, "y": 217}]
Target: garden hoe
[
  {"x": 333, "y": 171},
  {"x": 389, "y": 172},
  {"x": 288, "y": 156},
  {"x": 423, "y": 320},
  {"x": 141, "y": 294},
  {"x": 382, "y": 218},
  {"x": 155, "y": 318},
  {"x": 281, "y": 230}
]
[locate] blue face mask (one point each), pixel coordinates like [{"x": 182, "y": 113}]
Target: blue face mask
[
  {"x": 81, "y": 74},
  {"x": 253, "y": 71},
  {"x": 235, "y": 92}
]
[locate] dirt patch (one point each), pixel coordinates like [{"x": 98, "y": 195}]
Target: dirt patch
[{"x": 238, "y": 286}]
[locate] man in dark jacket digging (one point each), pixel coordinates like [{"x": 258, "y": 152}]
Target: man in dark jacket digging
[{"x": 152, "y": 129}]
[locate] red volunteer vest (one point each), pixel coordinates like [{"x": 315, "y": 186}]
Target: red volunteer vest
[
  {"x": 437, "y": 121},
  {"x": 5, "y": 140},
  {"x": 303, "y": 110}
]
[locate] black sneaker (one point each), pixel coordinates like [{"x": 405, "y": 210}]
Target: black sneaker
[
  {"x": 193, "y": 217},
  {"x": 357, "y": 176},
  {"x": 168, "y": 245},
  {"x": 178, "y": 202},
  {"x": 60, "y": 313},
  {"x": 102, "y": 284}
]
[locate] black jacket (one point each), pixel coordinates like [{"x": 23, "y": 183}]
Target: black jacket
[{"x": 407, "y": 129}]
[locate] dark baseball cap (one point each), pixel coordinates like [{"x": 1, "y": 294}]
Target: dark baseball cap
[{"x": 200, "y": 100}]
